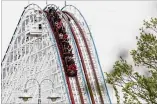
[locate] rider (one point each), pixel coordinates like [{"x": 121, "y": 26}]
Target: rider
[
  {"x": 61, "y": 36},
  {"x": 72, "y": 70},
  {"x": 65, "y": 37},
  {"x": 58, "y": 24},
  {"x": 67, "y": 51},
  {"x": 69, "y": 60}
]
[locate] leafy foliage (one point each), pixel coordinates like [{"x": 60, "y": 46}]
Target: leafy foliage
[{"x": 138, "y": 88}]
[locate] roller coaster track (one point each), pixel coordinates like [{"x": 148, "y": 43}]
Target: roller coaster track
[
  {"x": 83, "y": 63},
  {"x": 88, "y": 51},
  {"x": 70, "y": 81},
  {"x": 88, "y": 86},
  {"x": 88, "y": 37},
  {"x": 81, "y": 56}
]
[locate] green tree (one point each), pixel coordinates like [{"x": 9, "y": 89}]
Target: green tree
[{"x": 136, "y": 87}]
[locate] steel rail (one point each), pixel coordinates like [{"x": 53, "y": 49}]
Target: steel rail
[
  {"x": 94, "y": 47},
  {"x": 83, "y": 64},
  {"x": 88, "y": 51},
  {"x": 67, "y": 78},
  {"x": 59, "y": 54},
  {"x": 76, "y": 45},
  {"x": 76, "y": 78}
]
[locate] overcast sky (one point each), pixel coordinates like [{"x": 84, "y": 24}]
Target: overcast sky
[{"x": 114, "y": 24}]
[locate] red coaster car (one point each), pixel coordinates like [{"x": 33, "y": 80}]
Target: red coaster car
[
  {"x": 58, "y": 25},
  {"x": 71, "y": 70}
]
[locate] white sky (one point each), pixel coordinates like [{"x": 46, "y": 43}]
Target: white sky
[{"x": 114, "y": 24}]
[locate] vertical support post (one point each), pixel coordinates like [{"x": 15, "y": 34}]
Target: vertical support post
[
  {"x": 46, "y": 2},
  {"x": 39, "y": 99},
  {"x": 65, "y": 3}
]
